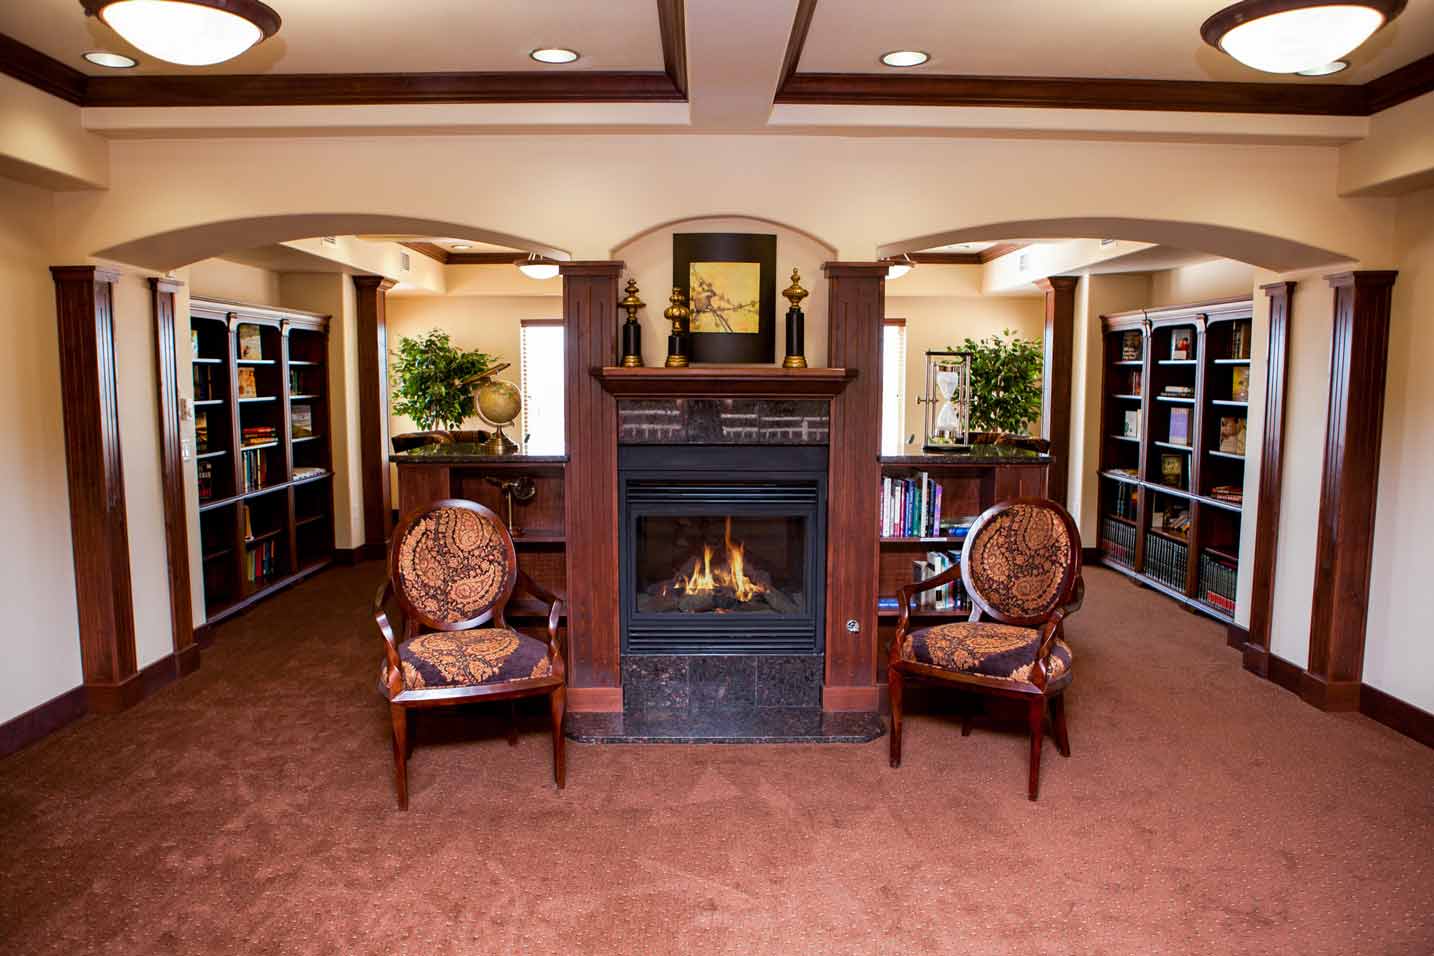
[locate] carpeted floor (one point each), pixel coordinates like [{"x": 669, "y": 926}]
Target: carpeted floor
[{"x": 250, "y": 809}]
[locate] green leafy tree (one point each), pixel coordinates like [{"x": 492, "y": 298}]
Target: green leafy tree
[
  {"x": 428, "y": 373},
  {"x": 1005, "y": 383}
]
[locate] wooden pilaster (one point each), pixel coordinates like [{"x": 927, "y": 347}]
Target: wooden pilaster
[
  {"x": 372, "y": 322},
  {"x": 1059, "y": 343}
]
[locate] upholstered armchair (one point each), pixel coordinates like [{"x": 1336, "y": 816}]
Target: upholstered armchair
[
  {"x": 1021, "y": 569},
  {"x": 452, "y": 569}
]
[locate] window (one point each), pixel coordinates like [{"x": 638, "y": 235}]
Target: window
[
  {"x": 542, "y": 373},
  {"x": 893, "y": 386}
]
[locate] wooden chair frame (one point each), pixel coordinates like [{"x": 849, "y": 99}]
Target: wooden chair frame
[
  {"x": 401, "y": 700},
  {"x": 1070, "y": 596}
]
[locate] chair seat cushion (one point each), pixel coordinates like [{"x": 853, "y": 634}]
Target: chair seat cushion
[
  {"x": 489, "y": 655},
  {"x": 986, "y": 650}
]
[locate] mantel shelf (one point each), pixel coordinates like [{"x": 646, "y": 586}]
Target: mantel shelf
[{"x": 724, "y": 381}]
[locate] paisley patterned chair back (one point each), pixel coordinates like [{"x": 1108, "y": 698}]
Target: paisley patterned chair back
[
  {"x": 452, "y": 565},
  {"x": 1021, "y": 560}
]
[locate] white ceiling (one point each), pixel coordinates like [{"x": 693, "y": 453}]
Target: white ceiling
[
  {"x": 380, "y": 36},
  {"x": 1143, "y": 39}
]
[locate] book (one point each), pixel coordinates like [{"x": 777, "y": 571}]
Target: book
[
  {"x": 1172, "y": 470},
  {"x": 248, "y": 384},
  {"x": 1130, "y": 346},
  {"x": 194, "y": 342},
  {"x": 251, "y": 345},
  {"x": 1182, "y": 344},
  {"x": 1179, "y": 426},
  {"x": 1240, "y": 340},
  {"x": 307, "y": 471},
  {"x": 1239, "y": 385},
  {"x": 201, "y": 432},
  {"x": 1231, "y": 493},
  {"x": 1232, "y": 434},
  {"x": 1179, "y": 391},
  {"x": 301, "y": 419},
  {"x": 1132, "y": 424}
]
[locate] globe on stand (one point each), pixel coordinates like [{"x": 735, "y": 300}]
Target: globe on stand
[{"x": 499, "y": 404}]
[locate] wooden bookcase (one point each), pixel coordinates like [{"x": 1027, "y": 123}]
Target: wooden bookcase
[
  {"x": 262, "y": 454},
  {"x": 1167, "y": 474}
]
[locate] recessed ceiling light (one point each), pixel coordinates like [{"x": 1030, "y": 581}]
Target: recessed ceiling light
[
  {"x": 460, "y": 246},
  {"x": 188, "y": 32},
  {"x": 554, "y": 54},
  {"x": 114, "y": 61},
  {"x": 1337, "y": 66},
  {"x": 900, "y": 58},
  {"x": 1290, "y": 36}
]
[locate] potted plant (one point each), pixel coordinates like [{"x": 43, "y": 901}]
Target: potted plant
[
  {"x": 432, "y": 380},
  {"x": 1005, "y": 386}
]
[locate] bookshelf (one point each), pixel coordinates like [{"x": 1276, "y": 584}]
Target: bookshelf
[
  {"x": 1174, "y": 415},
  {"x": 263, "y": 465}
]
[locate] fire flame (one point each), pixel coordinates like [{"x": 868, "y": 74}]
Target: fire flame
[{"x": 704, "y": 579}]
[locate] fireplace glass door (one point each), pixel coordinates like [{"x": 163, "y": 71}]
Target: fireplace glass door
[{"x": 712, "y": 565}]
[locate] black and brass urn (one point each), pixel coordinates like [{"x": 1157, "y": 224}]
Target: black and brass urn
[
  {"x": 631, "y": 331},
  {"x": 679, "y": 345},
  {"x": 796, "y": 324}
]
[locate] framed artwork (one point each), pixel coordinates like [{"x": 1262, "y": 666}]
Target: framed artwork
[{"x": 730, "y": 280}]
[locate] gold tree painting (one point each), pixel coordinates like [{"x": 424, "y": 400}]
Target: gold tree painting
[{"x": 725, "y": 296}]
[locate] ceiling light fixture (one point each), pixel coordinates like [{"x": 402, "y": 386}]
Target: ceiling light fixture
[
  {"x": 113, "y": 61},
  {"x": 536, "y": 267},
  {"x": 553, "y": 54},
  {"x": 188, "y": 32},
  {"x": 896, "y": 268},
  {"x": 904, "y": 58},
  {"x": 1291, "y": 36},
  {"x": 460, "y": 246},
  {"x": 1329, "y": 69}
]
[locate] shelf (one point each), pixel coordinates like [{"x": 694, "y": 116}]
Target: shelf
[
  {"x": 1174, "y": 447},
  {"x": 301, "y": 362},
  {"x": 259, "y": 398},
  {"x": 1129, "y": 398},
  {"x": 216, "y": 555},
  {"x": 1168, "y": 536},
  {"x": 308, "y": 520},
  {"x": 539, "y": 537},
  {"x": 1116, "y": 517},
  {"x": 266, "y": 490},
  {"x": 1225, "y": 454},
  {"x": 1168, "y": 490},
  {"x": 218, "y": 503},
  {"x": 1178, "y": 362},
  {"x": 765, "y": 381},
  {"x": 306, "y": 396},
  {"x": 206, "y": 361},
  {"x": 267, "y": 444},
  {"x": 947, "y": 615},
  {"x": 1176, "y": 398},
  {"x": 1243, "y": 361},
  {"x": 307, "y": 479},
  {"x": 1228, "y": 403},
  {"x": 1223, "y": 555},
  {"x": 253, "y": 361},
  {"x": 298, "y": 438},
  {"x": 1236, "y": 507},
  {"x": 208, "y": 401},
  {"x": 1128, "y": 363},
  {"x": 210, "y": 454},
  {"x": 1126, "y": 438},
  {"x": 261, "y": 538},
  {"x": 926, "y": 540},
  {"x": 1121, "y": 476}
]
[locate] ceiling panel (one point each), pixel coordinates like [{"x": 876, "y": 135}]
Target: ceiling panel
[
  {"x": 1137, "y": 39},
  {"x": 323, "y": 36}
]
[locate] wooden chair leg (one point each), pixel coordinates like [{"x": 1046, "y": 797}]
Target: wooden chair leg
[
  {"x": 559, "y": 704},
  {"x": 512, "y": 723},
  {"x": 894, "y": 691},
  {"x": 1058, "y": 724},
  {"x": 967, "y": 716},
  {"x": 400, "y": 752},
  {"x": 1036, "y": 717}
]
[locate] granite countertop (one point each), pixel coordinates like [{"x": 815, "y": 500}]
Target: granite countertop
[
  {"x": 978, "y": 455},
  {"x": 467, "y": 453}
]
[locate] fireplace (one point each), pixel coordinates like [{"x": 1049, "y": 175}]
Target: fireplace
[{"x": 722, "y": 549}]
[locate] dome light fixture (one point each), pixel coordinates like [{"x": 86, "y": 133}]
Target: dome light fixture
[
  {"x": 112, "y": 61},
  {"x": 187, "y": 32},
  {"x": 896, "y": 268},
  {"x": 1329, "y": 69},
  {"x": 553, "y": 54},
  {"x": 536, "y": 267},
  {"x": 904, "y": 58},
  {"x": 1293, "y": 36},
  {"x": 461, "y": 246}
]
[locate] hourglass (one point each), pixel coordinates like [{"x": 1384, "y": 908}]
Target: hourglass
[{"x": 947, "y": 401}]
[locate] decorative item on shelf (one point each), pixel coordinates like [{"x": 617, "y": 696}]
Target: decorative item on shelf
[
  {"x": 1130, "y": 346},
  {"x": 729, "y": 281},
  {"x": 1172, "y": 470},
  {"x": 947, "y": 401},
  {"x": 1182, "y": 345},
  {"x": 1232, "y": 434},
  {"x": 1239, "y": 384},
  {"x": 251, "y": 343},
  {"x": 248, "y": 385},
  {"x": 1179, "y": 426},
  {"x": 1132, "y": 423},
  {"x": 428, "y": 372},
  {"x": 499, "y": 404},
  {"x": 631, "y": 331},
  {"x": 796, "y": 324},
  {"x": 522, "y": 488},
  {"x": 679, "y": 346}
]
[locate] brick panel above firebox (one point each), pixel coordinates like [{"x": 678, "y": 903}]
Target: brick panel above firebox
[{"x": 723, "y": 421}]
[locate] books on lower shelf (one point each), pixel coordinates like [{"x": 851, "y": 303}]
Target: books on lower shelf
[
  {"x": 948, "y": 597},
  {"x": 259, "y": 435},
  {"x": 201, "y": 432},
  {"x": 248, "y": 384},
  {"x": 262, "y": 560},
  {"x": 254, "y": 468},
  {"x": 1217, "y": 582},
  {"x": 1166, "y": 561},
  {"x": 1231, "y": 493},
  {"x": 1240, "y": 340},
  {"x": 1117, "y": 541},
  {"x": 911, "y": 507},
  {"x": 1178, "y": 391},
  {"x": 205, "y": 472}
]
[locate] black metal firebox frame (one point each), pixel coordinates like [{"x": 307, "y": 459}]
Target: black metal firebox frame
[{"x": 737, "y": 480}]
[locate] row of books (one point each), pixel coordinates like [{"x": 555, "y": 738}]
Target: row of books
[
  {"x": 207, "y": 382},
  {"x": 1166, "y": 560},
  {"x": 1231, "y": 493},
  {"x": 255, "y": 465},
  {"x": 1175, "y": 521},
  {"x": 1217, "y": 582},
  {"x": 262, "y": 560},
  {"x": 947, "y": 597},
  {"x": 205, "y": 470},
  {"x": 910, "y": 507},
  {"x": 1178, "y": 391},
  {"x": 1117, "y": 540},
  {"x": 1125, "y": 501},
  {"x": 259, "y": 434}
]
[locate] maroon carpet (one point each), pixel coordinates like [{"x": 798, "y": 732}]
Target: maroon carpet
[{"x": 250, "y": 809}]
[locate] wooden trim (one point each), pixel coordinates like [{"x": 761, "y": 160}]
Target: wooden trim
[
  {"x": 890, "y": 320},
  {"x": 866, "y": 698},
  {"x": 430, "y": 249},
  {"x": 724, "y": 381},
  {"x": 39, "y": 722},
  {"x": 171, "y": 468},
  {"x": 945, "y": 258},
  {"x": 348, "y": 556},
  {"x": 1396, "y": 714},
  {"x": 1236, "y": 636},
  {"x": 595, "y": 700},
  {"x": 797, "y": 40},
  {"x": 524, "y": 323},
  {"x": 1284, "y": 674},
  {"x": 372, "y": 324},
  {"x": 41, "y": 71},
  {"x": 1059, "y": 347},
  {"x": 1256, "y": 649},
  {"x": 1345, "y": 545},
  {"x": 486, "y": 258},
  {"x": 1000, "y": 249},
  {"x": 84, "y": 301},
  {"x": 672, "y": 25},
  {"x": 1401, "y": 85}
]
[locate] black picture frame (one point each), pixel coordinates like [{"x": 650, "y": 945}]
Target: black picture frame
[{"x": 758, "y": 347}]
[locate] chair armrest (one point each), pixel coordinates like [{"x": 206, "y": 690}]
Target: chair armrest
[
  {"x": 906, "y": 592},
  {"x": 527, "y": 585},
  {"x": 385, "y": 630},
  {"x": 1077, "y": 597},
  {"x": 1050, "y": 630}
]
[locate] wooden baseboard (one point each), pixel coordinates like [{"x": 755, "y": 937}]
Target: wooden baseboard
[
  {"x": 347, "y": 555},
  {"x": 43, "y": 720},
  {"x": 1089, "y": 556},
  {"x": 1283, "y": 673},
  {"x": 865, "y": 698},
  {"x": 203, "y": 636},
  {"x": 1394, "y": 713},
  {"x": 1236, "y": 636},
  {"x": 595, "y": 700},
  {"x": 1255, "y": 659},
  {"x": 1329, "y": 695},
  {"x": 373, "y": 551},
  {"x": 111, "y": 698},
  {"x": 187, "y": 660}
]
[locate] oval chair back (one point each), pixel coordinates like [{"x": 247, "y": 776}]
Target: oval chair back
[
  {"x": 1021, "y": 561},
  {"x": 453, "y": 565}
]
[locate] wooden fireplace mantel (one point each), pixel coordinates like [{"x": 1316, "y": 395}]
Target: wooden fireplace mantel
[{"x": 724, "y": 381}]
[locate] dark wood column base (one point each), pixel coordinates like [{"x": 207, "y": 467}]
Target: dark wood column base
[
  {"x": 1330, "y": 695},
  {"x": 864, "y": 698},
  {"x": 113, "y": 698},
  {"x": 187, "y": 660},
  {"x": 1256, "y": 659},
  {"x": 595, "y": 700}
]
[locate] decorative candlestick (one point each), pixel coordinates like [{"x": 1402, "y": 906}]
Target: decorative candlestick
[
  {"x": 796, "y": 324},
  {"x": 679, "y": 348},
  {"x": 631, "y": 331}
]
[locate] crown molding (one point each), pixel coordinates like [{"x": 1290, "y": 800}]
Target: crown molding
[
  {"x": 672, "y": 25},
  {"x": 43, "y": 72}
]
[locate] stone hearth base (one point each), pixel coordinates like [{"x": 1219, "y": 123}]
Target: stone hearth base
[{"x": 759, "y": 725}]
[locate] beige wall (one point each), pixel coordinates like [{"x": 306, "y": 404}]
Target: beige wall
[
  {"x": 936, "y": 322},
  {"x": 222, "y": 279},
  {"x": 1216, "y": 279},
  {"x": 40, "y": 642},
  {"x": 1398, "y": 657}
]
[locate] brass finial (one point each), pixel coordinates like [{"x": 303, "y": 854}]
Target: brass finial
[
  {"x": 631, "y": 302},
  {"x": 794, "y": 293},
  {"x": 677, "y": 313}
]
